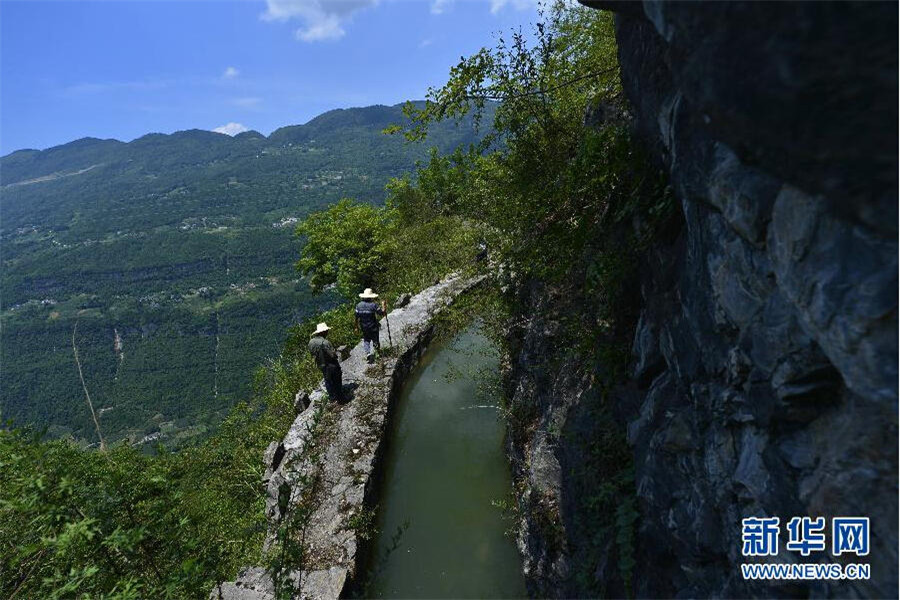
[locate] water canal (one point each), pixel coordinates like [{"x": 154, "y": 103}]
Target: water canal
[{"x": 440, "y": 536}]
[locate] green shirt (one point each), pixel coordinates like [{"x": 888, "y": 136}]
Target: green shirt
[{"x": 323, "y": 352}]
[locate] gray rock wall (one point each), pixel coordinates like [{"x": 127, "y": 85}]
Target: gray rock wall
[{"x": 763, "y": 375}]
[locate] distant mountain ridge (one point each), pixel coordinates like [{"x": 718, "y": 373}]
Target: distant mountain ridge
[
  {"x": 181, "y": 247},
  {"x": 29, "y": 163}
]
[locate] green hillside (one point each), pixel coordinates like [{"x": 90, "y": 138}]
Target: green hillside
[{"x": 174, "y": 254}]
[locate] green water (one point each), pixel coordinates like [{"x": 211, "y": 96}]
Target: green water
[{"x": 445, "y": 465}]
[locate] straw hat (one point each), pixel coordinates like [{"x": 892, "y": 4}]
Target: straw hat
[
  {"x": 320, "y": 328},
  {"x": 368, "y": 293}
]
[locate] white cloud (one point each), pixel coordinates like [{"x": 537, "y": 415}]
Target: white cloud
[
  {"x": 439, "y": 6},
  {"x": 322, "y": 19},
  {"x": 327, "y": 28},
  {"x": 230, "y": 73},
  {"x": 426, "y": 42},
  {"x": 231, "y": 129}
]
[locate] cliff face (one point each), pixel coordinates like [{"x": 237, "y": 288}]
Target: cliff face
[{"x": 763, "y": 371}]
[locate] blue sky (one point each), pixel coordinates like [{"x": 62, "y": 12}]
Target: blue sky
[{"x": 120, "y": 69}]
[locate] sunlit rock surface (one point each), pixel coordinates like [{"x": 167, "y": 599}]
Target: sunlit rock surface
[{"x": 763, "y": 375}]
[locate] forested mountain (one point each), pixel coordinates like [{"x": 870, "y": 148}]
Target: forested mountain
[{"x": 174, "y": 254}]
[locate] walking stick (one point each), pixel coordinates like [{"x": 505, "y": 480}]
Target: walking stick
[{"x": 388, "y": 323}]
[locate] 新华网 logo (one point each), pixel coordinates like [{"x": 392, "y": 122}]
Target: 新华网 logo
[{"x": 805, "y": 536}]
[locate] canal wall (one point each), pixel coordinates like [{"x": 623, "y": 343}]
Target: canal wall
[{"x": 322, "y": 478}]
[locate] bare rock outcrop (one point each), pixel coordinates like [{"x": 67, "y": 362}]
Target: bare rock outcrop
[{"x": 763, "y": 371}]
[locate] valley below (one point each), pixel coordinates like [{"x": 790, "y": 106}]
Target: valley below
[{"x": 175, "y": 256}]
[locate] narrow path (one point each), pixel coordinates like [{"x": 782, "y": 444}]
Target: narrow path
[
  {"x": 52, "y": 177},
  {"x": 320, "y": 477}
]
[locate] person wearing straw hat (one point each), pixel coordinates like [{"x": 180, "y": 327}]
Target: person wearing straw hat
[
  {"x": 367, "y": 313},
  {"x": 328, "y": 362}
]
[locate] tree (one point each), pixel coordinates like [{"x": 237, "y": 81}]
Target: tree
[
  {"x": 345, "y": 246},
  {"x": 533, "y": 193}
]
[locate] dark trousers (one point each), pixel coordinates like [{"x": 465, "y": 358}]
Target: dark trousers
[
  {"x": 333, "y": 382},
  {"x": 371, "y": 337}
]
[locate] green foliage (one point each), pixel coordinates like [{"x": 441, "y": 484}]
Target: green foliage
[
  {"x": 363, "y": 523},
  {"x": 605, "y": 505},
  {"x": 212, "y": 343},
  {"x": 127, "y": 524},
  {"x": 403, "y": 246},
  {"x": 176, "y": 242},
  {"x": 542, "y": 88},
  {"x": 123, "y": 524},
  {"x": 344, "y": 245},
  {"x": 567, "y": 204},
  {"x": 556, "y": 183},
  {"x": 438, "y": 191}
]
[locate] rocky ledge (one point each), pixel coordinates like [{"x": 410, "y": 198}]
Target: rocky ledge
[{"x": 322, "y": 477}]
